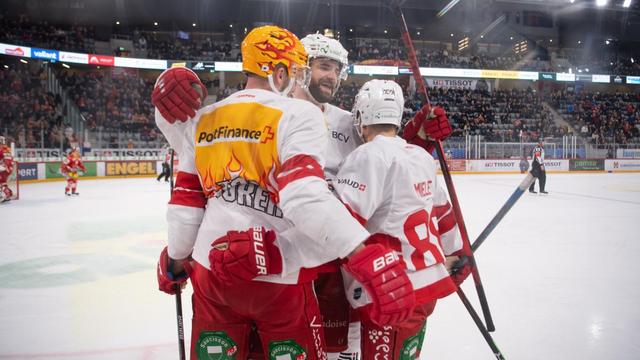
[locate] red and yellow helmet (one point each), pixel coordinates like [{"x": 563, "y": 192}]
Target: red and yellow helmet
[{"x": 267, "y": 46}]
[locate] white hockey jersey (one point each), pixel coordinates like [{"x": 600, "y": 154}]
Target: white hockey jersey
[
  {"x": 256, "y": 159},
  {"x": 343, "y": 139},
  {"x": 391, "y": 187}
]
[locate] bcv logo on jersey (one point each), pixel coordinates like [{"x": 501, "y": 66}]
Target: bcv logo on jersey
[
  {"x": 340, "y": 136},
  {"x": 354, "y": 184}
]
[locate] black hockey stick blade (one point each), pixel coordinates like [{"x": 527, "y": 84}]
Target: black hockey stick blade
[
  {"x": 476, "y": 319},
  {"x": 181, "y": 348}
]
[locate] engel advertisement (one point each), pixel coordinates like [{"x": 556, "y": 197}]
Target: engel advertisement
[
  {"x": 129, "y": 168},
  {"x": 513, "y": 165},
  {"x": 622, "y": 165}
]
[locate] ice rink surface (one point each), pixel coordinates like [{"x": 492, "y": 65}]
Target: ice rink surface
[{"x": 77, "y": 275}]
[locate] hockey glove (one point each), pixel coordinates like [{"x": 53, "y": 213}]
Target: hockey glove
[
  {"x": 430, "y": 123},
  {"x": 461, "y": 268},
  {"x": 384, "y": 278},
  {"x": 243, "y": 255},
  {"x": 175, "y": 96},
  {"x": 168, "y": 281}
]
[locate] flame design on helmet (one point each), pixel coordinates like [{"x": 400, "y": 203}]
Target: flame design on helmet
[{"x": 267, "y": 46}]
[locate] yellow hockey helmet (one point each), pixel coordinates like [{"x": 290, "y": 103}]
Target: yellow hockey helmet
[{"x": 267, "y": 46}]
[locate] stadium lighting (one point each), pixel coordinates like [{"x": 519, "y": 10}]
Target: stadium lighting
[
  {"x": 626, "y": 3},
  {"x": 601, "y": 3},
  {"x": 23, "y": 61},
  {"x": 448, "y": 7},
  {"x": 66, "y": 66}
]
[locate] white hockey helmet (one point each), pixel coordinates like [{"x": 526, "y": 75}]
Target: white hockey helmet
[
  {"x": 318, "y": 45},
  {"x": 378, "y": 102}
]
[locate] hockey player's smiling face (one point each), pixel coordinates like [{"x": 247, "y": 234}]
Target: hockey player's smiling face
[{"x": 324, "y": 79}]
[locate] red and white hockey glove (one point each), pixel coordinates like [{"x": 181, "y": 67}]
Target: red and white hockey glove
[
  {"x": 430, "y": 123},
  {"x": 167, "y": 280},
  {"x": 384, "y": 278},
  {"x": 175, "y": 96},
  {"x": 461, "y": 268},
  {"x": 243, "y": 255}
]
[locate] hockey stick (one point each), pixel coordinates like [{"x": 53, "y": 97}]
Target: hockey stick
[
  {"x": 496, "y": 220},
  {"x": 180, "y": 323},
  {"x": 177, "y": 287},
  {"x": 171, "y": 172},
  {"x": 503, "y": 211},
  {"x": 415, "y": 69},
  {"x": 480, "y": 325}
]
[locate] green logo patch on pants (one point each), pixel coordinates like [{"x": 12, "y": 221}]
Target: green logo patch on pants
[
  {"x": 412, "y": 346},
  {"x": 216, "y": 345},
  {"x": 286, "y": 350}
]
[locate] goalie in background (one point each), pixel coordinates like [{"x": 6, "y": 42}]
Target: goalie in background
[{"x": 72, "y": 167}]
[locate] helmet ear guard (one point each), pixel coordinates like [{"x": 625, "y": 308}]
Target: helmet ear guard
[{"x": 298, "y": 75}]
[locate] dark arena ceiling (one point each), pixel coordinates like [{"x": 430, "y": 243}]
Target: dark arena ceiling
[{"x": 578, "y": 17}]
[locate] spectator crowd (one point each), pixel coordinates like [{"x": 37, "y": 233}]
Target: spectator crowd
[{"x": 115, "y": 102}]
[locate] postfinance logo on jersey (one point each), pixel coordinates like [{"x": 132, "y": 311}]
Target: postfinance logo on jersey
[{"x": 238, "y": 140}]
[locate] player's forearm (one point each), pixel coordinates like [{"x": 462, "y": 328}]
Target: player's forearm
[{"x": 183, "y": 225}]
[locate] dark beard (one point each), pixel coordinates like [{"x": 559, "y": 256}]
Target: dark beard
[{"x": 314, "y": 90}]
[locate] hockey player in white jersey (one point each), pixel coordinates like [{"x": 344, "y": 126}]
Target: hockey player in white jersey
[
  {"x": 391, "y": 187},
  {"x": 328, "y": 62},
  {"x": 251, "y": 178}
]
